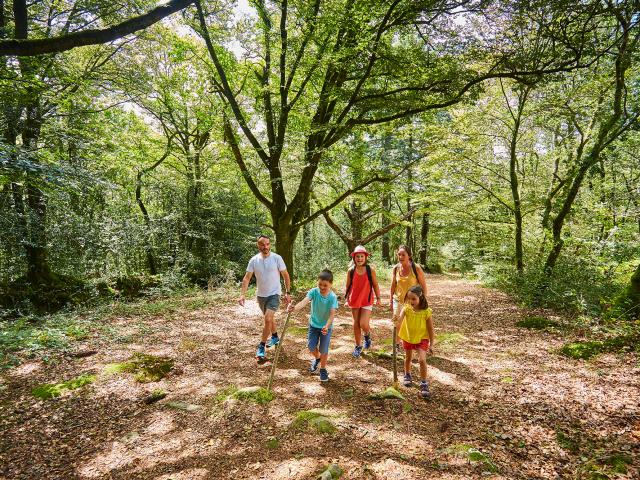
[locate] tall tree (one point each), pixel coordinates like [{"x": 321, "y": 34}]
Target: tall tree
[{"x": 325, "y": 68}]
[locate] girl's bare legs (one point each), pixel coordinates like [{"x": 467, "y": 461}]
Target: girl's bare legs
[
  {"x": 407, "y": 361},
  {"x": 357, "y": 333},
  {"x": 422, "y": 358},
  {"x": 365, "y": 316}
]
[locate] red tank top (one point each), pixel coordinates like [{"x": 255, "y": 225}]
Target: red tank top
[{"x": 360, "y": 290}]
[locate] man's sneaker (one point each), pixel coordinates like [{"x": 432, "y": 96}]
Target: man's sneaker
[
  {"x": 260, "y": 352},
  {"x": 273, "y": 341},
  {"x": 357, "y": 351},
  {"x": 324, "y": 375},
  {"x": 314, "y": 365},
  {"x": 407, "y": 382},
  {"x": 367, "y": 342},
  {"x": 424, "y": 390}
]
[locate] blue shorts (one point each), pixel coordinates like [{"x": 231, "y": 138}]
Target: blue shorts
[
  {"x": 315, "y": 337},
  {"x": 272, "y": 302}
]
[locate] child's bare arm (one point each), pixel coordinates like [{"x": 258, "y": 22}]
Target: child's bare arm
[
  {"x": 393, "y": 290},
  {"x": 299, "y": 306},
  {"x": 332, "y": 314},
  {"x": 432, "y": 337},
  {"x": 376, "y": 287},
  {"x": 397, "y": 319}
]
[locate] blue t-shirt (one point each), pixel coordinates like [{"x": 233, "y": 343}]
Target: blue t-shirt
[{"x": 321, "y": 307}]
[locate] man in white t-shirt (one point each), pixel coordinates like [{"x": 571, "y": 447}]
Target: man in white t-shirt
[{"x": 267, "y": 267}]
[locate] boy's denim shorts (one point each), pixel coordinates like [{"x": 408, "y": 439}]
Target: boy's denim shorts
[
  {"x": 272, "y": 302},
  {"x": 315, "y": 337}
]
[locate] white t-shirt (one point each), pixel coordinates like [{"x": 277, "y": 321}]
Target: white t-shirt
[{"x": 267, "y": 272}]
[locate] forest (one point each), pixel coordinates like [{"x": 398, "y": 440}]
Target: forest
[{"x": 145, "y": 147}]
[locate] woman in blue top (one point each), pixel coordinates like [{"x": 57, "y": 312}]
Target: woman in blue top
[{"x": 324, "y": 304}]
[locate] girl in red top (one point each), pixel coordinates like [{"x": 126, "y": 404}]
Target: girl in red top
[{"x": 361, "y": 286}]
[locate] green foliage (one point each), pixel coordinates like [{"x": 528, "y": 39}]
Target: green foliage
[
  {"x": 575, "y": 285},
  {"x": 52, "y": 390},
  {"x": 40, "y": 337},
  {"x": 473, "y": 454},
  {"x": 537, "y": 323}
]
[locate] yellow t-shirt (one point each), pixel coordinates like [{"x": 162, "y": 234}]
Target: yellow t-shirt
[
  {"x": 414, "y": 324},
  {"x": 403, "y": 284}
]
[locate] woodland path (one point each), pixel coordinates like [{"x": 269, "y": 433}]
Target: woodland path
[{"x": 496, "y": 387}]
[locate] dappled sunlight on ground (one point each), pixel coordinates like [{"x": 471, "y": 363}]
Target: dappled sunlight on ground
[
  {"x": 392, "y": 470},
  {"x": 496, "y": 388},
  {"x": 188, "y": 474},
  {"x": 142, "y": 453}
]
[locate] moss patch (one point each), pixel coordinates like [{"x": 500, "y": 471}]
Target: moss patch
[
  {"x": 147, "y": 368},
  {"x": 254, "y": 394},
  {"x": 537, "y": 323},
  {"x": 52, "y": 390},
  {"x": 311, "y": 419},
  {"x": 389, "y": 394},
  {"x": 272, "y": 443},
  {"x": 589, "y": 349},
  {"x": 449, "y": 338},
  {"x": 297, "y": 331}
]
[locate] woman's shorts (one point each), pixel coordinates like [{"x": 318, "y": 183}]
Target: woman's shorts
[
  {"x": 366, "y": 307},
  {"x": 272, "y": 302},
  {"x": 315, "y": 339},
  {"x": 423, "y": 345}
]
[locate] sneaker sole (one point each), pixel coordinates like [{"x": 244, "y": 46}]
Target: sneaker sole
[{"x": 324, "y": 380}]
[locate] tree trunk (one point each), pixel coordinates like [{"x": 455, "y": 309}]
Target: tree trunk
[
  {"x": 629, "y": 302},
  {"x": 386, "y": 205},
  {"x": 424, "y": 241},
  {"x": 285, "y": 241},
  {"x": 151, "y": 261}
]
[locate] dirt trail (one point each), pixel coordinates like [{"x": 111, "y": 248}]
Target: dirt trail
[{"x": 496, "y": 388}]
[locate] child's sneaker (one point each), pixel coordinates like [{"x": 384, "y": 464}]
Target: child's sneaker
[
  {"x": 273, "y": 341},
  {"x": 424, "y": 390},
  {"x": 407, "y": 382},
  {"x": 367, "y": 342},
  {"x": 314, "y": 365},
  {"x": 357, "y": 351},
  {"x": 324, "y": 375},
  {"x": 260, "y": 353}
]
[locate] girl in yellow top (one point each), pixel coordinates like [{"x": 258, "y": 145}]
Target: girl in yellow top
[{"x": 415, "y": 328}]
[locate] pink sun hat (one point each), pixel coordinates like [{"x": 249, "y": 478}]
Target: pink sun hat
[{"x": 359, "y": 249}]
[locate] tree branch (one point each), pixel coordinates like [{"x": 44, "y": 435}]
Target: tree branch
[{"x": 25, "y": 47}]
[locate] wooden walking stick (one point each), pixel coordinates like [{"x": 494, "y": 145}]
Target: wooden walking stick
[
  {"x": 278, "y": 348},
  {"x": 395, "y": 357}
]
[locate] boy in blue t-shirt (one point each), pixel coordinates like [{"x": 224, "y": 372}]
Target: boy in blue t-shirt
[{"x": 324, "y": 304}]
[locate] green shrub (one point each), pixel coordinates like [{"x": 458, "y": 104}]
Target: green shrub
[{"x": 537, "y": 323}]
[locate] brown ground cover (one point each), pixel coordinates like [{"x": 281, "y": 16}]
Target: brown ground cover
[{"x": 505, "y": 404}]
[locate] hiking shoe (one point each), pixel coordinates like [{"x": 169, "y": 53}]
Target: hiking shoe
[
  {"x": 424, "y": 390},
  {"x": 314, "y": 365},
  {"x": 367, "y": 342},
  {"x": 324, "y": 375},
  {"x": 273, "y": 341},
  {"x": 357, "y": 351},
  {"x": 260, "y": 351},
  {"x": 407, "y": 382}
]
